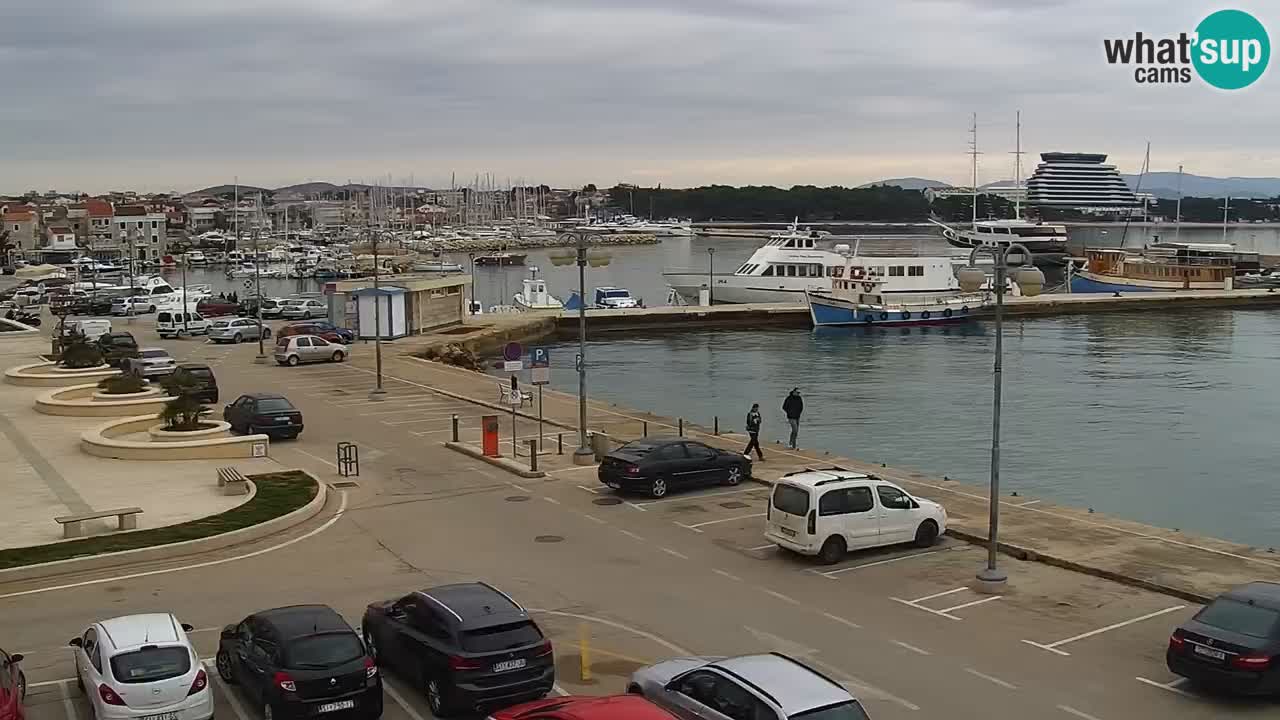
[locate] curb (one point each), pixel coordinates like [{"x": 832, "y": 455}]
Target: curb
[
  {"x": 174, "y": 550},
  {"x": 510, "y": 466},
  {"x": 505, "y": 409}
]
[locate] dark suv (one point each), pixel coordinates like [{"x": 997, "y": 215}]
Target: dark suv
[
  {"x": 469, "y": 645},
  {"x": 117, "y": 347},
  {"x": 299, "y": 662},
  {"x": 203, "y": 375}
]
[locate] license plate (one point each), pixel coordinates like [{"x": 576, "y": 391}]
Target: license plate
[
  {"x": 614, "y": 485},
  {"x": 283, "y": 418},
  {"x": 506, "y": 665},
  {"x": 1209, "y": 652},
  {"x": 161, "y": 716},
  {"x": 788, "y": 532},
  {"x": 335, "y": 706}
]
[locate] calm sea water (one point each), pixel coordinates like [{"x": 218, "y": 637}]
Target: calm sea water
[{"x": 1166, "y": 419}]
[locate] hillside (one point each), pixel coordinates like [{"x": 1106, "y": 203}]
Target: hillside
[
  {"x": 220, "y": 189},
  {"x": 1165, "y": 185},
  {"x": 909, "y": 183}
]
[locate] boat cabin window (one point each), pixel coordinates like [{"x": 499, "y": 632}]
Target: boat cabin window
[
  {"x": 915, "y": 271},
  {"x": 815, "y": 270},
  {"x": 897, "y": 271},
  {"x": 768, "y": 271},
  {"x": 877, "y": 271},
  {"x": 835, "y": 271},
  {"x": 742, "y": 270},
  {"x": 791, "y": 271},
  {"x": 1041, "y": 231},
  {"x": 984, "y": 229}
]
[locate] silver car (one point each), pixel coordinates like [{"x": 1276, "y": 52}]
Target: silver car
[
  {"x": 151, "y": 362},
  {"x": 295, "y": 349},
  {"x": 303, "y": 308},
  {"x": 236, "y": 330},
  {"x": 750, "y": 686}
]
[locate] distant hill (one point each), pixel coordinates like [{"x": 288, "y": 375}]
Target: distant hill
[
  {"x": 310, "y": 188},
  {"x": 220, "y": 189},
  {"x": 909, "y": 183},
  {"x": 1165, "y": 185}
]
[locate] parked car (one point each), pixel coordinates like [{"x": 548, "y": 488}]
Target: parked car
[
  {"x": 270, "y": 307},
  {"x": 151, "y": 362},
  {"x": 237, "y": 330},
  {"x": 308, "y": 348},
  {"x": 300, "y": 662},
  {"x": 744, "y": 688},
  {"x": 266, "y": 413},
  {"x": 217, "y": 307},
  {"x": 13, "y": 686},
  {"x": 116, "y": 347},
  {"x": 612, "y": 707},
  {"x": 323, "y": 328},
  {"x": 1233, "y": 643},
  {"x": 175, "y": 323},
  {"x": 133, "y": 305},
  {"x": 203, "y": 375},
  {"x": 304, "y": 308},
  {"x": 659, "y": 465},
  {"x": 92, "y": 328},
  {"x": 469, "y": 645},
  {"x": 832, "y": 511},
  {"x": 139, "y": 666}
]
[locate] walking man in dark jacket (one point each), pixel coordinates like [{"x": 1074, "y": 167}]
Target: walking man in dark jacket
[
  {"x": 753, "y": 429},
  {"x": 793, "y": 406}
]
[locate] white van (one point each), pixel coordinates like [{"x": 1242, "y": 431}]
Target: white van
[
  {"x": 175, "y": 323},
  {"x": 93, "y": 328},
  {"x": 831, "y": 511}
]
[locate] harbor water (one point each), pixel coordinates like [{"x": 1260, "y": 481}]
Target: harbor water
[{"x": 1165, "y": 419}]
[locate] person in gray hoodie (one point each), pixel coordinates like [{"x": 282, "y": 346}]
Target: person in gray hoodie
[
  {"x": 793, "y": 407},
  {"x": 753, "y": 430}
]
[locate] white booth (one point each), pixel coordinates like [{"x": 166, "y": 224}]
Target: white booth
[{"x": 388, "y": 304}]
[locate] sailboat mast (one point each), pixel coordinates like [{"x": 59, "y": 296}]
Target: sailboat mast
[
  {"x": 1017, "y": 170},
  {"x": 1177, "y": 215},
  {"x": 1226, "y": 209},
  {"x": 973, "y": 151}
]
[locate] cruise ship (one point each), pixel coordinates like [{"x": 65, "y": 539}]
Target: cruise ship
[{"x": 1078, "y": 180}]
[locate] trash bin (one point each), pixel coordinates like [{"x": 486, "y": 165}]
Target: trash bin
[{"x": 600, "y": 445}]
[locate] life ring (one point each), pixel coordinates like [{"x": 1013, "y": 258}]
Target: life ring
[
  {"x": 946, "y": 312},
  {"x": 868, "y": 319},
  {"x": 906, "y": 314},
  {"x": 884, "y": 316},
  {"x": 925, "y": 315}
]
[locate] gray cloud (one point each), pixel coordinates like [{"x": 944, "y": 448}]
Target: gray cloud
[{"x": 157, "y": 94}]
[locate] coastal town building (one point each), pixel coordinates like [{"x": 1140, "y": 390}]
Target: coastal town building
[
  {"x": 139, "y": 233},
  {"x": 1078, "y": 180}
]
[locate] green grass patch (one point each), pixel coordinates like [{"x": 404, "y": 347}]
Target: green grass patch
[{"x": 278, "y": 494}]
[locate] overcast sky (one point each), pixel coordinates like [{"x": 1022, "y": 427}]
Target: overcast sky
[{"x": 180, "y": 94}]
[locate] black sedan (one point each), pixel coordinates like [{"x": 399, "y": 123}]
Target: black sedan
[
  {"x": 267, "y": 413},
  {"x": 657, "y": 466},
  {"x": 1233, "y": 644}
]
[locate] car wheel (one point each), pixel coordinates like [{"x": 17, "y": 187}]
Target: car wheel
[
  {"x": 237, "y": 339},
  {"x": 833, "y": 550},
  {"x": 250, "y": 430},
  {"x": 438, "y": 698},
  {"x": 337, "y": 356},
  {"x": 223, "y": 662},
  {"x": 22, "y": 686},
  {"x": 151, "y": 308},
  {"x": 634, "y": 689},
  {"x": 293, "y": 361},
  {"x": 181, "y": 334},
  {"x": 659, "y": 487},
  {"x": 306, "y": 315},
  {"x": 927, "y": 534},
  {"x": 266, "y": 333},
  {"x": 735, "y": 475}
]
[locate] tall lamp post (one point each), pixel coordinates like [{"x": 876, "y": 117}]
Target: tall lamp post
[
  {"x": 711, "y": 276},
  {"x": 583, "y": 455},
  {"x": 377, "y": 393},
  {"x": 1030, "y": 281}
]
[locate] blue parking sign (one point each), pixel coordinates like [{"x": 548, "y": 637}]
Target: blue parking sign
[{"x": 539, "y": 357}]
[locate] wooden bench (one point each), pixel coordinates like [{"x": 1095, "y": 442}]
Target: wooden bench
[
  {"x": 73, "y": 525},
  {"x": 232, "y": 481},
  {"x": 506, "y": 398}
]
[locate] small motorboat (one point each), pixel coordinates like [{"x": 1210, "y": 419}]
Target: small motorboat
[
  {"x": 501, "y": 259},
  {"x": 534, "y": 295},
  {"x": 436, "y": 266}
]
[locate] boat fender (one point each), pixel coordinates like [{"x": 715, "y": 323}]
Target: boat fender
[
  {"x": 925, "y": 315},
  {"x": 884, "y": 316},
  {"x": 906, "y": 314},
  {"x": 946, "y": 312}
]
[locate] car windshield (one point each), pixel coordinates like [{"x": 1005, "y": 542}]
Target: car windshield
[
  {"x": 639, "y": 448},
  {"x": 1239, "y": 617},
  {"x": 151, "y": 664},
  {"x": 291, "y": 302},
  {"x": 153, "y": 354},
  {"x": 851, "y": 710},
  {"x": 500, "y": 637},
  {"x": 327, "y": 650},
  {"x": 790, "y": 499},
  {"x": 274, "y": 405},
  {"x": 221, "y": 323},
  {"x": 202, "y": 373}
]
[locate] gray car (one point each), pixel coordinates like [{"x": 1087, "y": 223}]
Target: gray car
[
  {"x": 151, "y": 362},
  {"x": 295, "y": 349},
  {"x": 750, "y": 687},
  {"x": 236, "y": 330}
]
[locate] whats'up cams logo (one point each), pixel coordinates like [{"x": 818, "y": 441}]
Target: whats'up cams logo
[{"x": 1228, "y": 50}]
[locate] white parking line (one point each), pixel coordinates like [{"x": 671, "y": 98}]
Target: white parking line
[
  {"x": 669, "y": 551},
  {"x": 780, "y": 596},
  {"x": 437, "y": 418},
  {"x": 722, "y": 520},
  {"x": 404, "y": 409},
  {"x": 630, "y": 534},
  {"x": 841, "y": 620},
  {"x": 1078, "y": 713},
  {"x": 551, "y": 500},
  {"x": 231, "y": 696},
  {"x": 971, "y": 604},
  {"x": 830, "y": 573},
  {"x": 689, "y": 498},
  {"x": 991, "y": 679},
  {"x": 67, "y": 705},
  {"x": 770, "y": 546},
  {"x": 937, "y": 595},
  {"x": 926, "y": 609},
  {"x": 912, "y": 648},
  {"x": 1053, "y": 647},
  {"x": 395, "y": 695},
  {"x": 594, "y": 519},
  {"x": 726, "y": 574},
  {"x": 1173, "y": 687},
  {"x": 1027, "y": 503},
  {"x": 593, "y": 491}
]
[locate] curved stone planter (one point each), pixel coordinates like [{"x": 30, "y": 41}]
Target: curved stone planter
[
  {"x": 47, "y": 374},
  {"x": 150, "y": 392},
  {"x": 220, "y": 429},
  {"x": 104, "y": 441},
  {"x": 81, "y": 401}
]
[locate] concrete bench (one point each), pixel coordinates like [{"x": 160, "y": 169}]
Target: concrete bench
[
  {"x": 73, "y": 525},
  {"x": 232, "y": 481},
  {"x": 506, "y": 398}
]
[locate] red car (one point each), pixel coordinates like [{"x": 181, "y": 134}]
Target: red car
[
  {"x": 217, "y": 307},
  {"x": 616, "y": 707},
  {"x": 13, "y": 687}
]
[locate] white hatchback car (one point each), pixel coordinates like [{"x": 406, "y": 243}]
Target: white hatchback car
[
  {"x": 139, "y": 666},
  {"x": 831, "y": 511}
]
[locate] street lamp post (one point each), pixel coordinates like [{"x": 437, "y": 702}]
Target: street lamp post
[
  {"x": 583, "y": 455},
  {"x": 377, "y": 393},
  {"x": 711, "y": 276},
  {"x": 1030, "y": 281},
  {"x": 471, "y": 307}
]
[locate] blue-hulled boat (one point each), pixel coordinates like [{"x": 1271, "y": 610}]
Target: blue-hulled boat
[{"x": 858, "y": 299}]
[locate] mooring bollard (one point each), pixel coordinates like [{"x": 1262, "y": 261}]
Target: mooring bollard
[
  {"x": 533, "y": 455},
  {"x": 716, "y": 430},
  {"x": 455, "y": 427},
  {"x": 559, "y": 443},
  {"x": 681, "y": 427}
]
